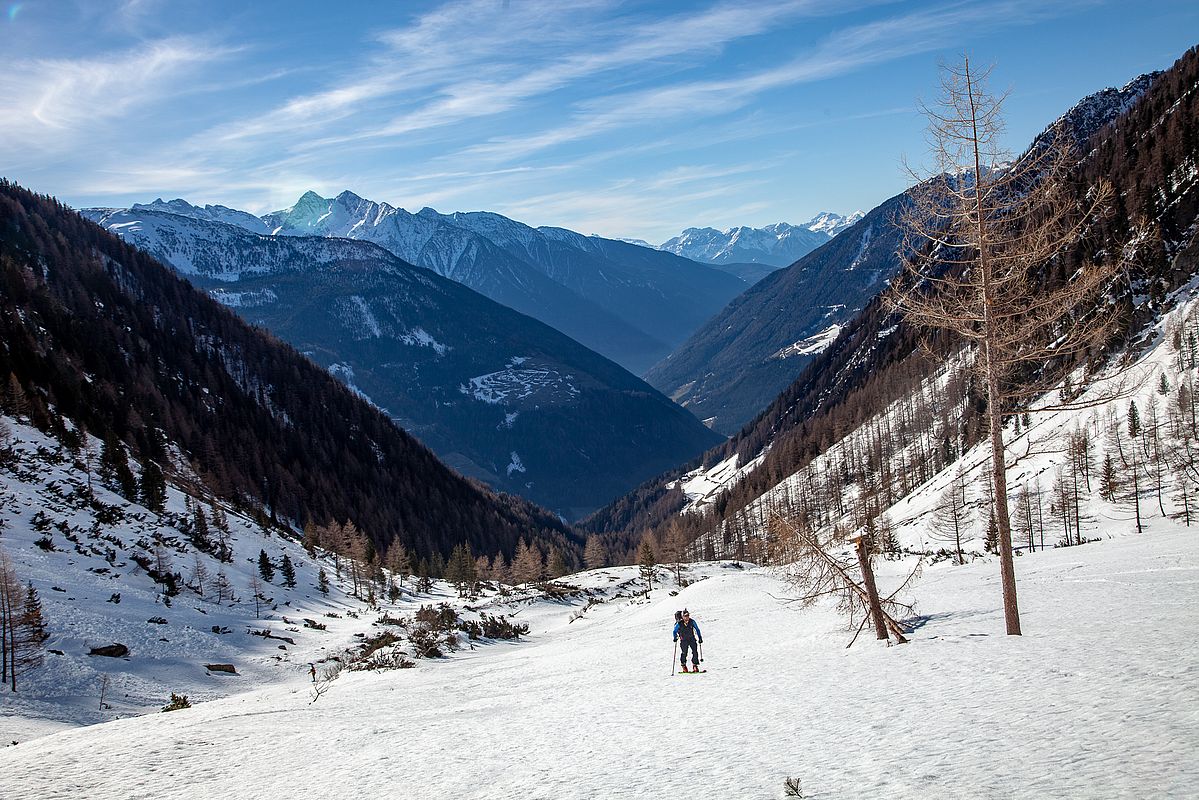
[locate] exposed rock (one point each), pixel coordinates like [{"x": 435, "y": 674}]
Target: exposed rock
[{"x": 114, "y": 650}]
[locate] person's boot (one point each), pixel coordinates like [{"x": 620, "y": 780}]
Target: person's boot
[{"x": 684, "y": 666}]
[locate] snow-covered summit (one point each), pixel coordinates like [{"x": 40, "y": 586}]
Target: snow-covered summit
[
  {"x": 210, "y": 213},
  {"x": 779, "y": 244}
]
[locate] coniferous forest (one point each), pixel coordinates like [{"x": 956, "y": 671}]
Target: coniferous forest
[{"x": 97, "y": 332}]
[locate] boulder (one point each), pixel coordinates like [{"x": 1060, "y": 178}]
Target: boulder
[
  {"x": 114, "y": 650},
  {"x": 228, "y": 668}
]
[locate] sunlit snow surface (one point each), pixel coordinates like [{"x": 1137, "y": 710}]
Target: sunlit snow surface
[
  {"x": 812, "y": 345},
  {"x": 1097, "y": 699}
]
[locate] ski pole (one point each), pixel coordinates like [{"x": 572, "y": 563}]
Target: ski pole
[
  {"x": 701, "y": 651},
  {"x": 673, "y": 650}
]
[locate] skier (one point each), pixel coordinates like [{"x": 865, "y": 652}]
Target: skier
[{"x": 687, "y": 631}]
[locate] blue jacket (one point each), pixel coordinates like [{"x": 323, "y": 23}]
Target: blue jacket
[{"x": 686, "y": 631}]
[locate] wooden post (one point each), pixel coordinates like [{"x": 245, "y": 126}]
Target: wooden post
[{"x": 876, "y": 607}]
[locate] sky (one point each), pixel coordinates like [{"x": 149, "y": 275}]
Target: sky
[{"x": 626, "y": 119}]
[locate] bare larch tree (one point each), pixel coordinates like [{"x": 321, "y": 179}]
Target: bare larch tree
[{"x": 980, "y": 236}]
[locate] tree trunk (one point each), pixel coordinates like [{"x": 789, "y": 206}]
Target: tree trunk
[
  {"x": 1007, "y": 570},
  {"x": 876, "y": 607}
]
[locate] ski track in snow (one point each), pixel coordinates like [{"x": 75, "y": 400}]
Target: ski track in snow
[{"x": 1098, "y": 699}]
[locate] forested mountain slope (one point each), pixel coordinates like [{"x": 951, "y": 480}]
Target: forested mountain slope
[
  {"x": 494, "y": 393},
  {"x": 732, "y": 367},
  {"x": 98, "y": 332},
  {"x": 1149, "y": 150}
]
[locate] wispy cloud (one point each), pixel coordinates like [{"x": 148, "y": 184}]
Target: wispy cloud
[
  {"x": 516, "y": 54},
  {"x": 839, "y": 54},
  {"x": 51, "y": 104}
]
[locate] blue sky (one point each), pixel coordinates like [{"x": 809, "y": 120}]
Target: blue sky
[{"x": 631, "y": 119}]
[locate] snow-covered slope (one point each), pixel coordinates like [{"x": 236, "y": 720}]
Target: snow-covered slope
[
  {"x": 904, "y": 441},
  {"x": 777, "y": 245},
  {"x": 95, "y": 593},
  {"x": 587, "y": 707}
]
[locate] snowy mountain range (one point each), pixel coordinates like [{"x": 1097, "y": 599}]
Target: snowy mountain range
[
  {"x": 627, "y": 303},
  {"x": 494, "y": 393},
  {"x": 777, "y": 245}
]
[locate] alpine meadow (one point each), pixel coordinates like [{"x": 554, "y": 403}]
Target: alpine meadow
[{"x": 387, "y": 391}]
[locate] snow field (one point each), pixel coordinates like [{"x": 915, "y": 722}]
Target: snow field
[
  {"x": 76, "y": 586},
  {"x": 1100, "y": 698}
]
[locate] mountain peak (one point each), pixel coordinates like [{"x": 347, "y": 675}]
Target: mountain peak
[{"x": 308, "y": 198}]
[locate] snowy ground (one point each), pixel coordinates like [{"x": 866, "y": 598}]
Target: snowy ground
[
  {"x": 1100, "y": 698},
  {"x": 90, "y": 564}
]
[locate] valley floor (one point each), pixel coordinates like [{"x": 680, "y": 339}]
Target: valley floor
[{"x": 1099, "y": 698}]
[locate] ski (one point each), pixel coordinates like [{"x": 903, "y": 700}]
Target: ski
[{"x": 695, "y": 672}]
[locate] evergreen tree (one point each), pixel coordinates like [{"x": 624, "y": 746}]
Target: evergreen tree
[
  {"x": 647, "y": 559},
  {"x": 153, "y": 487},
  {"x": 265, "y": 568},
  {"x": 199, "y": 530},
  {"x": 460, "y": 569},
  {"x": 322, "y": 582},
  {"x": 31, "y": 618},
  {"x": 114, "y": 466},
  {"x": 222, "y": 587},
  {"x": 289, "y": 572},
  {"x": 1134, "y": 420},
  {"x": 991, "y": 543},
  {"x": 1109, "y": 484},
  {"x": 16, "y": 402}
]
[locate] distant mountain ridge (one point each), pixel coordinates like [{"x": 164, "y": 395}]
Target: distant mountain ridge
[
  {"x": 737, "y": 363},
  {"x": 777, "y": 245},
  {"x": 611, "y": 296},
  {"x": 497, "y": 395}
]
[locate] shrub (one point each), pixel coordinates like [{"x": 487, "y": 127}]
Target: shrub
[
  {"x": 178, "y": 701},
  {"x": 439, "y": 618},
  {"x": 425, "y": 644}
]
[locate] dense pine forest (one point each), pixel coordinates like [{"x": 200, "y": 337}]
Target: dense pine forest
[{"x": 97, "y": 334}]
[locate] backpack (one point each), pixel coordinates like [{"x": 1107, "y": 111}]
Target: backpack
[{"x": 678, "y": 616}]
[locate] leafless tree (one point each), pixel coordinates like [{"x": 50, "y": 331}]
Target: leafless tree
[
  {"x": 818, "y": 570},
  {"x": 979, "y": 235},
  {"x": 952, "y": 517},
  {"x": 256, "y": 593}
]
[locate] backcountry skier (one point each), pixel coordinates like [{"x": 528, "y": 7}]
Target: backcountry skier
[{"x": 686, "y": 631}]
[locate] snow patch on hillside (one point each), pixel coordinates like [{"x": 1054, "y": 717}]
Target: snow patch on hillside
[
  {"x": 419, "y": 337},
  {"x": 251, "y": 299},
  {"x": 701, "y": 486},
  {"x": 812, "y": 345},
  {"x": 518, "y": 384}
]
